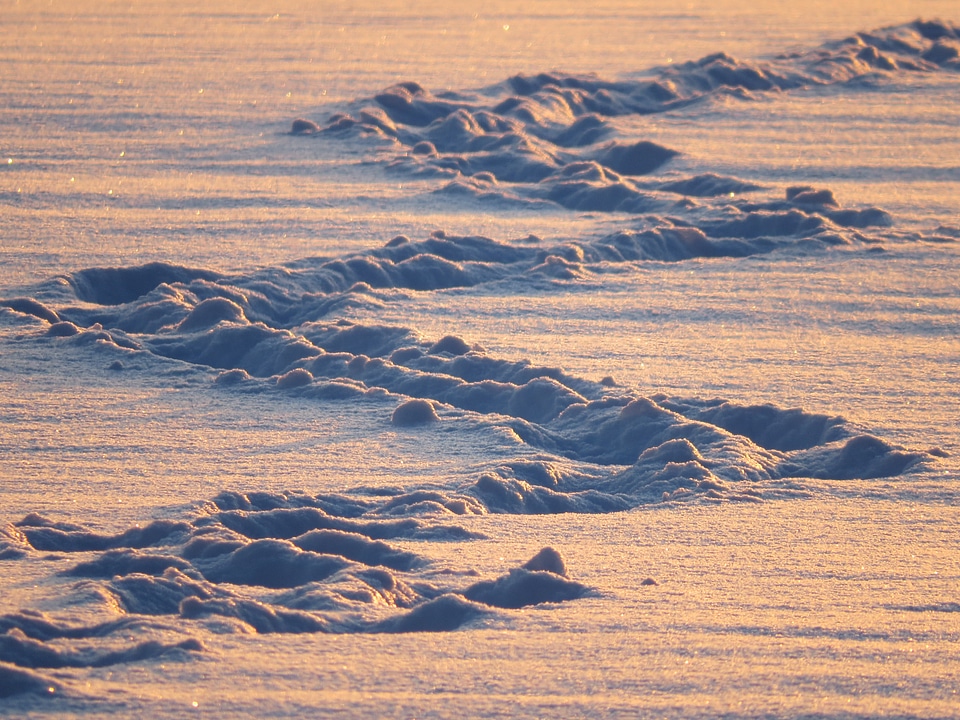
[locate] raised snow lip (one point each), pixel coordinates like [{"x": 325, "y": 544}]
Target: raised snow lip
[{"x": 538, "y": 132}]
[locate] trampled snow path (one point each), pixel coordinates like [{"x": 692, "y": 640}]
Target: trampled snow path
[{"x": 662, "y": 504}]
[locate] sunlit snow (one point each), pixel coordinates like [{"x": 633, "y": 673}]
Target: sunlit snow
[{"x": 374, "y": 360}]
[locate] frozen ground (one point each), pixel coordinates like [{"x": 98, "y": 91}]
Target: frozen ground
[{"x": 317, "y": 326}]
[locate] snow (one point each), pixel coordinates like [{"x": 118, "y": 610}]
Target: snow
[{"x": 403, "y": 361}]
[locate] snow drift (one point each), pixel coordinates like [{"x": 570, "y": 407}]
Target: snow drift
[
  {"x": 549, "y": 137},
  {"x": 359, "y": 562}
]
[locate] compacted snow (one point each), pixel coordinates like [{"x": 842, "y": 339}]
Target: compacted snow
[{"x": 370, "y": 360}]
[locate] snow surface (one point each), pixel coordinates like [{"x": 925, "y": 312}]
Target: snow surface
[{"x": 377, "y": 360}]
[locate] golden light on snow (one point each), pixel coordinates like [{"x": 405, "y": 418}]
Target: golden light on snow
[{"x": 537, "y": 359}]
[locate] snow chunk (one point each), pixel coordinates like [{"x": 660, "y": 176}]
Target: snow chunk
[
  {"x": 414, "y": 412},
  {"x": 547, "y": 560},
  {"x": 442, "y": 614},
  {"x": 541, "y": 579},
  {"x": 298, "y": 377}
]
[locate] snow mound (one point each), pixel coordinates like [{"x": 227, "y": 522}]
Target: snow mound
[
  {"x": 582, "y": 446},
  {"x": 321, "y": 581},
  {"x": 414, "y": 412},
  {"x": 16, "y": 681},
  {"x": 540, "y": 133}
]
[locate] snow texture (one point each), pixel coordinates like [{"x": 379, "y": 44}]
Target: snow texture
[
  {"x": 359, "y": 562},
  {"x": 549, "y": 138},
  {"x": 596, "y": 448},
  {"x": 332, "y": 581}
]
